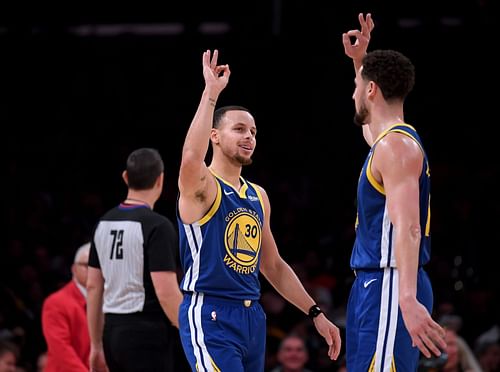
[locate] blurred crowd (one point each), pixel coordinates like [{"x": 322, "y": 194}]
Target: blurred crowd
[{"x": 45, "y": 230}]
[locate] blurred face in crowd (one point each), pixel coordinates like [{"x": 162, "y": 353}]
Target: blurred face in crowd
[
  {"x": 8, "y": 362},
  {"x": 451, "y": 350},
  {"x": 80, "y": 268},
  {"x": 293, "y": 354},
  {"x": 490, "y": 358},
  {"x": 41, "y": 362}
]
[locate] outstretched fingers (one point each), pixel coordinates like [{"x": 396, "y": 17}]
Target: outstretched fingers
[
  {"x": 206, "y": 58},
  {"x": 431, "y": 340},
  {"x": 213, "y": 62},
  {"x": 369, "y": 21},
  {"x": 366, "y": 24}
]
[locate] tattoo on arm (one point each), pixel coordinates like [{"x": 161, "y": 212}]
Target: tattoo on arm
[{"x": 212, "y": 101}]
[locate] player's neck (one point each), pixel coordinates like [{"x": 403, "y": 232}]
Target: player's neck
[
  {"x": 139, "y": 198},
  {"x": 384, "y": 115},
  {"x": 227, "y": 172},
  {"x": 381, "y": 123}
]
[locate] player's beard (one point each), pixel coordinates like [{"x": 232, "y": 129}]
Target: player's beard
[
  {"x": 361, "y": 116},
  {"x": 243, "y": 161}
]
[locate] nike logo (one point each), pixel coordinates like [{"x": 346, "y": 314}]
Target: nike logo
[
  {"x": 228, "y": 192},
  {"x": 368, "y": 282}
]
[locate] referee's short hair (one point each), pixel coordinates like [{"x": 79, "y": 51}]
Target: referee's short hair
[{"x": 143, "y": 168}]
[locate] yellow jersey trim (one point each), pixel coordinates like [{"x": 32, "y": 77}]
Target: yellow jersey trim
[
  {"x": 242, "y": 192},
  {"x": 257, "y": 190},
  {"x": 213, "y": 208},
  {"x": 377, "y": 185},
  {"x": 372, "y": 364}
]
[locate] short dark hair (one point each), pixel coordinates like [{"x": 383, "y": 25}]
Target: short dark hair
[
  {"x": 392, "y": 71},
  {"x": 220, "y": 112},
  {"x": 143, "y": 168}
]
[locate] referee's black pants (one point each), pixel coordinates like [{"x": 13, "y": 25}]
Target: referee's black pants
[{"x": 138, "y": 342}]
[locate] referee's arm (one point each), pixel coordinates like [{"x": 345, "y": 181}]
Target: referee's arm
[{"x": 168, "y": 293}]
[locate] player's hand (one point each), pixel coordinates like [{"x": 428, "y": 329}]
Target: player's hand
[
  {"x": 425, "y": 333},
  {"x": 356, "y": 50},
  {"x": 216, "y": 76},
  {"x": 330, "y": 333}
]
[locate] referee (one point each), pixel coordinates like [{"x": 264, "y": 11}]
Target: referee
[{"x": 133, "y": 292}]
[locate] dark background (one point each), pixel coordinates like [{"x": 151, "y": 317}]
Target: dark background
[{"x": 84, "y": 86}]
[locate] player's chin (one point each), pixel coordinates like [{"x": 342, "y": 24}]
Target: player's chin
[{"x": 244, "y": 160}]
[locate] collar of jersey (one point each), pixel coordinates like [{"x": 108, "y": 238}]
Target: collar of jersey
[
  {"x": 243, "y": 189},
  {"x": 384, "y": 133}
]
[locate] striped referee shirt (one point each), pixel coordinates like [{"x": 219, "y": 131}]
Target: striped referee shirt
[{"x": 129, "y": 242}]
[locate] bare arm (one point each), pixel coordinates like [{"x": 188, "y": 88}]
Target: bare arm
[
  {"x": 357, "y": 50},
  {"x": 169, "y": 294},
  {"x": 397, "y": 162},
  {"x": 196, "y": 185},
  {"x": 95, "y": 318},
  {"x": 285, "y": 281}
]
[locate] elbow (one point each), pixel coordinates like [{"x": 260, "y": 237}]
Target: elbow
[
  {"x": 415, "y": 233},
  {"x": 191, "y": 157}
]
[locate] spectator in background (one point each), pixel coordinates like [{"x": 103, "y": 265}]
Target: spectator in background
[
  {"x": 41, "y": 362},
  {"x": 8, "y": 356},
  {"x": 488, "y": 356},
  {"x": 64, "y": 322},
  {"x": 460, "y": 355},
  {"x": 292, "y": 355},
  {"x": 456, "y": 357}
]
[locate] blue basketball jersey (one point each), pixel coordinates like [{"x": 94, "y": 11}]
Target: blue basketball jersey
[
  {"x": 373, "y": 247},
  {"x": 220, "y": 253}
]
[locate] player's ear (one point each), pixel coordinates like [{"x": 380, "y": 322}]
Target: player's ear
[
  {"x": 159, "y": 180},
  {"x": 214, "y": 136},
  {"x": 372, "y": 88},
  {"x": 125, "y": 177}
]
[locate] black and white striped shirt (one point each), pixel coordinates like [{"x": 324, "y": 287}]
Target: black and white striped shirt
[{"x": 129, "y": 242}]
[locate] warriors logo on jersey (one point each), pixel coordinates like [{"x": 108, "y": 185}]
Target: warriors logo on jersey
[
  {"x": 242, "y": 238},
  {"x": 220, "y": 253}
]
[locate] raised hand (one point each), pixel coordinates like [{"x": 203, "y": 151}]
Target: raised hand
[
  {"x": 216, "y": 76},
  {"x": 357, "y": 50}
]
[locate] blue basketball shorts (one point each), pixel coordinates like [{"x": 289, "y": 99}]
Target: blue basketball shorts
[
  {"x": 220, "y": 334},
  {"x": 376, "y": 337}
]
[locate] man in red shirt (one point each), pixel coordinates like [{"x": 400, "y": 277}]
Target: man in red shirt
[{"x": 64, "y": 321}]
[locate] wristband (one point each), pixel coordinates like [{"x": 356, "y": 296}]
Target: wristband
[{"x": 314, "y": 311}]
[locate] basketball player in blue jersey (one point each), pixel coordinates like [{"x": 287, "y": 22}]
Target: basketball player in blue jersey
[
  {"x": 226, "y": 240},
  {"x": 388, "y": 315}
]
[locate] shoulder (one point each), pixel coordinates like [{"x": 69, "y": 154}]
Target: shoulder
[
  {"x": 150, "y": 218},
  {"x": 60, "y": 295},
  {"x": 258, "y": 188},
  {"x": 398, "y": 146}
]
